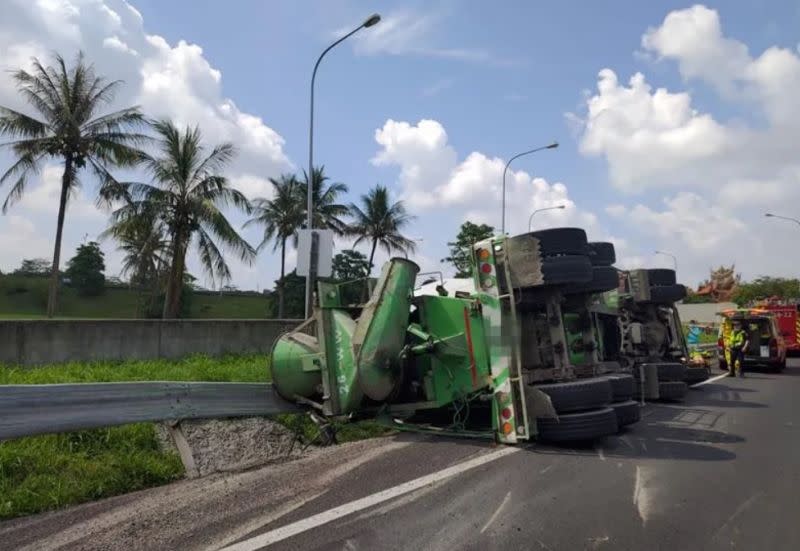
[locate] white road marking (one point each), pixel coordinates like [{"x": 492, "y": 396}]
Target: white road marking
[
  {"x": 315, "y": 521},
  {"x": 711, "y": 380},
  {"x": 641, "y": 497},
  {"x": 496, "y": 513},
  {"x": 600, "y": 453},
  {"x": 546, "y": 469}
]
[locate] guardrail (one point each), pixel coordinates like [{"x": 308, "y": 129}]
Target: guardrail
[{"x": 27, "y": 410}]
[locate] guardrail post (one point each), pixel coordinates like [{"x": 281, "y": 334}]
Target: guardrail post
[{"x": 184, "y": 449}]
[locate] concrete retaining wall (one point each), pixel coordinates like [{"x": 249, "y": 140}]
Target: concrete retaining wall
[
  {"x": 34, "y": 342},
  {"x": 703, "y": 313}
]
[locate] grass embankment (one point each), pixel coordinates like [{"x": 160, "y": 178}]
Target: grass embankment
[
  {"x": 23, "y": 297},
  {"x": 39, "y": 473}
]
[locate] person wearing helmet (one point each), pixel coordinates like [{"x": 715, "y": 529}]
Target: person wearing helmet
[{"x": 736, "y": 347}]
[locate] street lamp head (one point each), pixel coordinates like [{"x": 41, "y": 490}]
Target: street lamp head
[
  {"x": 552, "y": 145},
  {"x": 769, "y": 215},
  {"x": 372, "y": 20},
  {"x": 561, "y": 206}
]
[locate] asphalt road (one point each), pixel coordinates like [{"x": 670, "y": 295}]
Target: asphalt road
[{"x": 720, "y": 471}]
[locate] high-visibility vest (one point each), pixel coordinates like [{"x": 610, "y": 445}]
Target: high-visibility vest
[{"x": 738, "y": 338}]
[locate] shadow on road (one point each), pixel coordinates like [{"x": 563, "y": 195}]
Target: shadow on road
[{"x": 665, "y": 432}]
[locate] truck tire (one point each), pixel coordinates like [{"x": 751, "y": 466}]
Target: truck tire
[
  {"x": 586, "y": 425},
  {"x": 667, "y": 294},
  {"x": 601, "y": 253},
  {"x": 558, "y": 241},
  {"x": 604, "y": 278},
  {"x": 558, "y": 270},
  {"x": 628, "y": 412},
  {"x": 696, "y": 375},
  {"x": 672, "y": 390},
  {"x": 660, "y": 277},
  {"x": 622, "y": 386},
  {"x": 671, "y": 372},
  {"x": 578, "y": 395}
]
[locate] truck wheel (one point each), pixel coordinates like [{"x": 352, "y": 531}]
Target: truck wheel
[
  {"x": 602, "y": 253},
  {"x": 672, "y": 390},
  {"x": 586, "y": 425},
  {"x": 671, "y": 372},
  {"x": 667, "y": 294},
  {"x": 660, "y": 277},
  {"x": 558, "y": 270},
  {"x": 578, "y": 395},
  {"x": 622, "y": 386},
  {"x": 696, "y": 375},
  {"x": 604, "y": 278},
  {"x": 558, "y": 241},
  {"x": 627, "y": 412}
]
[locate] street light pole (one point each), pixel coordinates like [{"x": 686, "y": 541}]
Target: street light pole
[
  {"x": 770, "y": 215},
  {"x": 530, "y": 219},
  {"x": 505, "y": 170},
  {"x": 674, "y": 259},
  {"x": 370, "y": 21}
]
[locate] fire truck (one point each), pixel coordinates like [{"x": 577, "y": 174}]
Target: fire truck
[{"x": 785, "y": 313}]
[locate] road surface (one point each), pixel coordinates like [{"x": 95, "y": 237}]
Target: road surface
[{"x": 720, "y": 471}]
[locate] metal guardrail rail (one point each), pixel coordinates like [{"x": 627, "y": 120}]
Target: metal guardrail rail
[{"x": 27, "y": 410}]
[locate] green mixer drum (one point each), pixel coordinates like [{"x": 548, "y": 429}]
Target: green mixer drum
[{"x": 296, "y": 366}]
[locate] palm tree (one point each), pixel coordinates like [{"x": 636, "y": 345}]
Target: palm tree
[
  {"x": 328, "y": 213},
  {"x": 380, "y": 222},
  {"x": 281, "y": 217},
  {"x": 69, "y": 129},
  {"x": 187, "y": 194},
  {"x": 142, "y": 238}
]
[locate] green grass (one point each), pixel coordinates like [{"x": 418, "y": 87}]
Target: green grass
[
  {"x": 195, "y": 368},
  {"x": 39, "y": 473},
  {"x": 26, "y": 298}
]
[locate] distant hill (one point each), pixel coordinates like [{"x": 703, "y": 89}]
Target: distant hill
[{"x": 26, "y": 297}]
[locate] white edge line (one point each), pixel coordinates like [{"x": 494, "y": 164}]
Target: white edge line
[
  {"x": 711, "y": 380},
  {"x": 315, "y": 521}
]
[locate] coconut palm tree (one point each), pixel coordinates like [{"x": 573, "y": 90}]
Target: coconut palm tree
[
  {"x": 67, "y": 128},
  {"x": 141, "y": 236},
  {"x": 328, "y": 213},
  {"x": 281, "y": 217},
  {"x": 187, "y": 194},
  {"x": 380, "y": 222}
]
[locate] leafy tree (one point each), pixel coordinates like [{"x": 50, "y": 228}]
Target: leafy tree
[
  {"x": 294, "y": 287},
  {"x": 461, "y": 249},
  {"x": 85, "y": 270},
  {"x": 69, "y": 129},
  {"x": 350, "y": 265},
  {"x": 187, "y": 195},
  {"x": 381, "y": 222},
  {"x": 766, "y": 287},
  {"x": 34, "y": 267},
  {"x": 281, "y": 217},
  {"x": 328, "y": 212}
]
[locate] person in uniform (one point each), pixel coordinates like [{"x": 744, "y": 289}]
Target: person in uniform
[{"x": 736, "y": 346}]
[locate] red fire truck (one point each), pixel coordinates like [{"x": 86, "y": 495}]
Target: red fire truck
[{"x": 786, "y": 315}]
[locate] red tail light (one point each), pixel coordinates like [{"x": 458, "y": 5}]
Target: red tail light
[{"x": 721, "y": 342}]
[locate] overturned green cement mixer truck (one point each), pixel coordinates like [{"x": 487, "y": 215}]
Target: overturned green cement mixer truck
[{"x": 493, "y": 362}]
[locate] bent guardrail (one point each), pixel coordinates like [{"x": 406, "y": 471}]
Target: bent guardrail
[{"x": 26, "y": 410}]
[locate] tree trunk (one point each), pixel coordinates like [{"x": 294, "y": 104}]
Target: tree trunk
[
  {"x": 66, "y": 183},
  {"x": 282, "y": 282},
  {"x": 369, "y": 272},
  {"x": 172, "y": 298}
]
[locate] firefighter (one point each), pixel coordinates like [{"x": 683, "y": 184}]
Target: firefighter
[{"x": 736, "y": 347}]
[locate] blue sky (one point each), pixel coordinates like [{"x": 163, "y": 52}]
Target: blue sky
[{"x": 679, "y": 170}]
